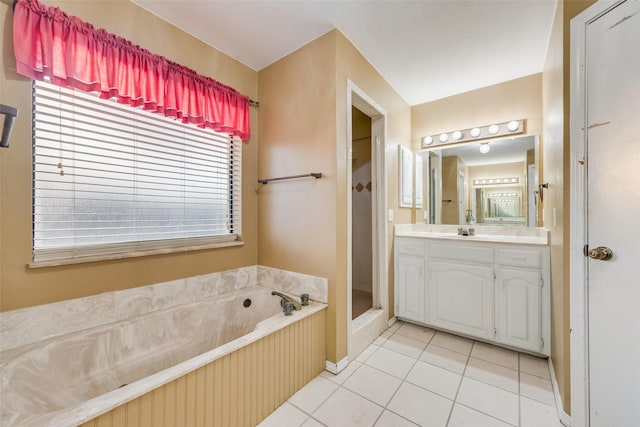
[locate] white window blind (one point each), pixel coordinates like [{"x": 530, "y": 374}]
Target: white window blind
[{"x": 111, "y": 179}]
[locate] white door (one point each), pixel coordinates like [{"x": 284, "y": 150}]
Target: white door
[{"x": 613, "y": 215}]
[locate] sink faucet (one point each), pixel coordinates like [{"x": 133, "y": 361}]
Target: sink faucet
[{"x": 287, "y": 298}]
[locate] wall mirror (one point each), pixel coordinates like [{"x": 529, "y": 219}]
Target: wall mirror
[{"x": 489, "y": 182}]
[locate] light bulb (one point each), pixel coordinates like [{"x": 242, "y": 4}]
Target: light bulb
[
  {"x": 493, "y": 129},
  {"x": 427, "y": 140},
  {"x": 456, "y": 135},
  {"x": 475, "y": 132},
  {"x": 513, "y": 126},
  {"x": 444, "y": 137},
  {"x": 485, "y": 148}
]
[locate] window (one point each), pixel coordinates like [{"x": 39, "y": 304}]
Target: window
[{"x": 112, "y": 179}]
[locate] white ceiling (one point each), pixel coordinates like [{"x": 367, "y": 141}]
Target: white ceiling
[{"x": 425, "y": 49}]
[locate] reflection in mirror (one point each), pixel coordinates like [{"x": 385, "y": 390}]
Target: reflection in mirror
[{"x": 486, "y": 182}]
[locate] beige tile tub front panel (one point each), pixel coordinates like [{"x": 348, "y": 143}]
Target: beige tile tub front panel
[{"x": 239, "y": 389}]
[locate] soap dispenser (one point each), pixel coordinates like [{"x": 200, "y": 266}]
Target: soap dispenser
[{"x": 470, "y": 218}]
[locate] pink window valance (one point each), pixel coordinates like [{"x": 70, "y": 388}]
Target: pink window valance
[{"x": 51, "y": 44}]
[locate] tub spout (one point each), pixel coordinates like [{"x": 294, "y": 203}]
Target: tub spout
[{"x": 287, "y": 298}]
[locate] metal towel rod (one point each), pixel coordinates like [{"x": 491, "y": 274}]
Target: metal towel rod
[{"x": 315, "y": 175}]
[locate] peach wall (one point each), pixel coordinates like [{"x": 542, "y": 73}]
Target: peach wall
[
  {"x": 21, "y": 286},
  {"x": 297, "y": 221},
  {"x": 303, "y": 128},
  {"x": 515, "y": 99}
]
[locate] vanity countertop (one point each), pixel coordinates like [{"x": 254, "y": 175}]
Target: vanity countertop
[{"x": 483, "y": 233}]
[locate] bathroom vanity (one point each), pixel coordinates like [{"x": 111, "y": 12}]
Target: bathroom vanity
[{"x": 493, "y": 286}]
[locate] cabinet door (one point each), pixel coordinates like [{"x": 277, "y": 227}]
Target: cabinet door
[
  {"x": 410, "y": 286},
  {"x": 518, "y": 311},
  {"x": 461, "y": 298}
]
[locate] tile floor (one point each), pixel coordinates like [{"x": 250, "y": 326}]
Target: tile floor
[{"x": 413, "y": 376}]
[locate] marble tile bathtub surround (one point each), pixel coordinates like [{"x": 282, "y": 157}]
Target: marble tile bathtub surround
[
  {"x": 28, "y": 325},
  {"x": 294, "y": 283},
  {"x": 143, "y": 337},
  {"x": 33, "y": 324}
]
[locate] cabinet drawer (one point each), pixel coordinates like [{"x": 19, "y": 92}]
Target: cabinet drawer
[
  {"x": 462, "y": 253},
  {"x": 410, "y": 246},
  {"x": 520, "y": 257}
]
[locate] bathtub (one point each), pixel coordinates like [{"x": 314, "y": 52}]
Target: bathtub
[{"x": 113, "y": 369}]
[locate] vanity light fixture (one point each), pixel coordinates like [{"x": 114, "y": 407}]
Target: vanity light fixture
[
  {"x": 503, "y": 194},
  {"x": 427, "y": 140},
  {"x": 482, "y": 132},
  {"x": 513, "y": 126},
  {"x": 494, "y": 181},
  {"x": 484, "y": 147}
]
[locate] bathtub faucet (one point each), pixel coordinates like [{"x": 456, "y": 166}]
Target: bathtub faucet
[{"x": 287, "y": 298}]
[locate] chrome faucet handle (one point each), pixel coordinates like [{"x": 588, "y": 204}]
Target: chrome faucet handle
[{"x": 304, "y": 299}]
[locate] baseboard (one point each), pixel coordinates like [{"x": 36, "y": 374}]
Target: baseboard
[
  {"x": 336, "y": 368},
  {"x": 392, "y": 321},
  {"x": 564, "y": 418}
]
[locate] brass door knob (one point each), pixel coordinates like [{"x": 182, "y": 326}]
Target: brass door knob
[{"x": 602, "y": 253}]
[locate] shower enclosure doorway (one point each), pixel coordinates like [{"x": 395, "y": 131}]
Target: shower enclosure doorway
[
  {"x": 361, "y": 214},
  {"x": 367, "y": 286}
]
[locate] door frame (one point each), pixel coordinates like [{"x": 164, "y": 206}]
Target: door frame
[
  {"x": 372, "y": 323},
  {"x": 579, "y": 339}
]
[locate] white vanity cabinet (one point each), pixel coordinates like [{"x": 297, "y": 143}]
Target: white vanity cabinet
[
  {"x": 461, "y": 298},
  {"x": 410, "y": 277},
  {"x": 492, "y": 291}
]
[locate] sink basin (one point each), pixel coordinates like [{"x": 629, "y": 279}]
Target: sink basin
[{"x": 485, "y": 233}]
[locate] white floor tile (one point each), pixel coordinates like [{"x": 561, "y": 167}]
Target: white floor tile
[
  {"x": 490, "y": 373},
  {"x": 416, "y": 332},
  {"x": 444, "y": 358},
  {"x": 285, "y": 415},
  {"x": 343, "y": 375},
  {"x": 537, "y": 366},
  {"x": 420, "y": 406},
  {"x": 389, "y": 419},
  {"x": 373, "y": 384},
  {"x": 452, "y": 342},
  {"x": 408, "y": 346},
  {"x": 396, "y": 325},
  {"x": 311, "y": 396},
  {"x": 391, "y": 362},
  {"x": 536, "y": 388},
  {"x": 362, "y": 357},
  {"x": 309, "y": 423},
  {"x": 536, "y": 414},
  {"x": 495, "y": 354},
  {"x": 345, "y": 408},
  {"x": 435, "y": 379},
  {"x": 489, "y": 400},
  {"x": 461, "y": 416},
  {"x": 380, "y": 340}
]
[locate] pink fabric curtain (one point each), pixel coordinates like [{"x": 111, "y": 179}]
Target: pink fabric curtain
[{"x": 72, "y": 53}]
